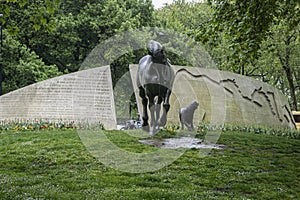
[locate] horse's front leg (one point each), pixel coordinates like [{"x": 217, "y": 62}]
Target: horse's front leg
[
  {"x": 152, "y": 108},
  {"x": 166, "y": 106},
  {"x": 142, "y": 94},
  {"x": 157, "y": 111}
]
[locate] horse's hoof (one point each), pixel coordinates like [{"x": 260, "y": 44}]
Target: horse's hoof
[
  {"x": 162, "y": 122},
  {"x": 146, "y": 128},
  {"x": 154, "y": 131}
]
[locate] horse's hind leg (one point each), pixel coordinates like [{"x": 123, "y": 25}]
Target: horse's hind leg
[
  {"x": 166, "y": 106},
  {"x": 142, "y": 94},
  {"x": 152, "y": 108}
]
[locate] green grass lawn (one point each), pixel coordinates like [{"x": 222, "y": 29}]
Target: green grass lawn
[{"x": 56, "y": 165}]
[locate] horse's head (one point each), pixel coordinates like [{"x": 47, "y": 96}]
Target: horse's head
[{"x": 157, "y": 51}]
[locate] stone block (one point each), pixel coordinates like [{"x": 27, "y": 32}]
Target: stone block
[{"x": 83, "y": 96}]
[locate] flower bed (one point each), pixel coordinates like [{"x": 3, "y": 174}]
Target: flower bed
[
  {"x": 203, "y": 128},
  {"x": 29, "y": 125}
]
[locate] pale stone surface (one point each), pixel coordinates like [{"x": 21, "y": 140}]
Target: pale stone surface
[
  {"x": 87, "y": 96},
  {"x": 225, "y": 97},
  {"x": 84, "y": 96}
]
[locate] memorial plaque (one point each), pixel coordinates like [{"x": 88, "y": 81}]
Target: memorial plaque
[{"x": 84, "y": 96}]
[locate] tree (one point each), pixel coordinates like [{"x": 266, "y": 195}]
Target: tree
[
  {"x": 281, "y": 56},
  {"x": 184, "y": 17},
  {"x": 245, "y": 25},
  {"x": 22, "y": 66},
  {"x": 62, "y": 34},
  {"x": 41, "y": 13},
  {"x": 79, "y": 27},
  {"x": 244, "y": 37}
]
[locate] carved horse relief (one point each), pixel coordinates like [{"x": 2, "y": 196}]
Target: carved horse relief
[{"x": 155, "y": 79}]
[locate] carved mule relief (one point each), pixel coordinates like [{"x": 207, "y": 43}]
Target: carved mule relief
[{"x": 186, "y": 115}]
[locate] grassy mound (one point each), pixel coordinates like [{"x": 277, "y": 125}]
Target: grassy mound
[{"x": 54, "y": 164}]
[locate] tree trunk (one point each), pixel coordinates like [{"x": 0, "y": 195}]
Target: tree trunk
[
  {"x": 288, "y": 71},
  {"x": 289, "y": 76}
]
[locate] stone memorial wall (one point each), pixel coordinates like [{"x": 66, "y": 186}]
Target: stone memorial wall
[
  {"x": 225, "y": 97},
  {"x": 84, "y": 96},
  {"x": 87, "y": 96}
]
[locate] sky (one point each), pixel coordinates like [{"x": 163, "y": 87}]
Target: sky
[{"x": 160, "y": 3}]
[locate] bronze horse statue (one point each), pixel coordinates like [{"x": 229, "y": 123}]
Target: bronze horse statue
[{"x": 155, "y": 79}]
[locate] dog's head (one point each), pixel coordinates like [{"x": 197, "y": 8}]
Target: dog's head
[{"x": 193, "y": 106}]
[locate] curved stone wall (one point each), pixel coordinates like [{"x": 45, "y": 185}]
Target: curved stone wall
[
  {"x": 87, "y": 96},
  {"x": 226, "y": 97}
]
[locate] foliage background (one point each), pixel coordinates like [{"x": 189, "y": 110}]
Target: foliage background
[{"x": 47, "y": 38}]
